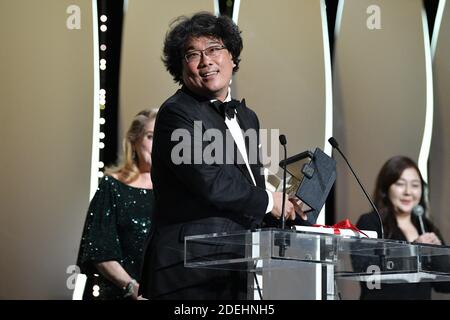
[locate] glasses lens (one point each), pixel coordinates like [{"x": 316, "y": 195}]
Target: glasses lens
[
  {"x": 195, "y": 56},
  {"x": 192, "y": 56},
  {"x": 214, "y": 51}
]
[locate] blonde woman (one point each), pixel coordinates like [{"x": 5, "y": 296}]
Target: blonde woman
[{"x": 119, "y": 217}]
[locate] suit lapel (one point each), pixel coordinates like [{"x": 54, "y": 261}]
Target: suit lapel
[
  {"x": 245, "y": 124},
  {"x": 216, "y": 120}
]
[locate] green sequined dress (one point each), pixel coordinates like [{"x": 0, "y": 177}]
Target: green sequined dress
[{"x": 116, "y": 228}]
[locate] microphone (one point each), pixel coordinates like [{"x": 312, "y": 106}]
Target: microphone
[
  {"x": 335, "y": 145},
  {"x": 283, "y": 142},
  {"x": 418, "y": 211},
  {"x": 282, "y": 239}
]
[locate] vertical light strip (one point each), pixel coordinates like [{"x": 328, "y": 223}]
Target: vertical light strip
[
  {"x": 428, "y": 129},
  {"x": 96, "y": 108},
  {"x": 236, "y": 7},
  {"x": 328, "y": 91},
  {"x": 80, "y": 284},
  {"x": 80, "y": 281},
  {"x": 339, "y": 12},
  {"x": 216, "y": 8},
  {"x": 437, "y": 27},
  {"x": 328, "y": 79},
  {"x": 328, "y": 123}
]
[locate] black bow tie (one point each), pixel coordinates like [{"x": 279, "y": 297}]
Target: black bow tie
[{"x": 227, "y": 109}]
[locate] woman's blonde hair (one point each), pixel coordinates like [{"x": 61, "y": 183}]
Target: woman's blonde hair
[{"x": 127, "y": 169}]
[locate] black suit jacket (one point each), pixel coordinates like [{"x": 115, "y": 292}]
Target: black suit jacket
[{"x": 197, "y": 197}]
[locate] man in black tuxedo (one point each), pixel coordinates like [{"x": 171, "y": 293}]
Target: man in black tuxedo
[{"x": 201, "y": 184}]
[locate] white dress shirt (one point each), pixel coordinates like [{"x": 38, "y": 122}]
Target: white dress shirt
[{"x": 236, "y": 133}]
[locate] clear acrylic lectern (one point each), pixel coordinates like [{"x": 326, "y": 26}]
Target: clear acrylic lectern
[{"x": 295, "y": 265}]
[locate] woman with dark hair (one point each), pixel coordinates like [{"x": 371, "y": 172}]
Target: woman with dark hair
[
  {"x": 399, "y": 188},
  {"x": 119, "y": 219}
]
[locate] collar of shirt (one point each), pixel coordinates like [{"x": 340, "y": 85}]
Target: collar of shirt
[
  {"x": 236, "y": 133},
  {"x": 227, "y": 99}
]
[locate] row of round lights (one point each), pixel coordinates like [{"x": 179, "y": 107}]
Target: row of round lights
[{"x": 102, "y": 103}]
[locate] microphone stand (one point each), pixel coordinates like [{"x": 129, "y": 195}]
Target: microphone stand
[
  {"x": 283, "y": 218},
  {"x": 335, "y": 145},
  {"x": 284, "y": 241},
  {"x": 381, "y": 252}
]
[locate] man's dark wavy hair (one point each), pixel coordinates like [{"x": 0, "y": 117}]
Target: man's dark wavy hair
[{"x": 199, "y": 25}]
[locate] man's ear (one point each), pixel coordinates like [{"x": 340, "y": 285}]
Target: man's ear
[{"x": 232, "y": 59}]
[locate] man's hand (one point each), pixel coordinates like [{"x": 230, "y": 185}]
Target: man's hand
[
  {"x": 298, "y": 204},
  {"x": 289, "y": 210}
]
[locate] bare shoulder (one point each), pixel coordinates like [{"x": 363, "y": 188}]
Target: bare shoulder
[{"x": 115, "y": 175}]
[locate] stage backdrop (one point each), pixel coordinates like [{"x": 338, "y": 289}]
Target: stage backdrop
[
  {"x": 46, "y": 107},
  {"x": 382, "y": 93},
  {"x": 48, "y": 98},
  {"x": 440, "y": 143},
  {"x": 144, "y": 81},
  {"x": 285, "y": 76}
]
